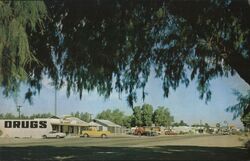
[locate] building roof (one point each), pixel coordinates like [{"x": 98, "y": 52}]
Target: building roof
[
  {"x": 92, "y": 123},
  {"x": 70, "y": 121},
  {"x": 76, "y": 121},
  {"x": 106, "y": 122},
  {"x": 54, "y": 117}
]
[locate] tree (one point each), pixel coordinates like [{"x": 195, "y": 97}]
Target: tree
[
  {"x": 41, "y": 115},
  {"x": 181, "y": 123},
  {"x": 206, "y": 125},
  {"x": 85, "y": 116},
  {"x": 10, "y": 116},
  {"x": 162, "y": 117},
  {"x": 89, "y": 44},
  {"x": 106, "y": 114},
  {"x": 17, "y": 22},
  {"x": 77, "y": 114},
  {"x": 242, "y": 108},
  {"x": 115, "y": 116},
  {"x": 127, "y": 121},
  {"x": 147, "y": 114},
  {"x": 246, "y": 121},
  {"x": 1, "y": 116},
  {"x": 137, "y": 116}
]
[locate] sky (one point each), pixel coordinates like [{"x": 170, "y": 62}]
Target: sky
[{"x": 183, "y": 103}]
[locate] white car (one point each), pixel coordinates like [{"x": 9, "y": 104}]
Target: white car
[{"x": 54, "y": 134}]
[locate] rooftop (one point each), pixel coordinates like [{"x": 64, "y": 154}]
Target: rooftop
[{"x": 106, "y": 122}]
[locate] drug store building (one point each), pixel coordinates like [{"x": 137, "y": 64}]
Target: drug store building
[{"x": 35, "y": 128}]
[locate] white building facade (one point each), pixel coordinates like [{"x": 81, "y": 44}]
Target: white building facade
[
  {"x": 36, "y": 128},
  {"x": 33, "y": 128}
]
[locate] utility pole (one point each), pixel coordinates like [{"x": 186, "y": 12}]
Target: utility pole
[{"x": 19, "y": 110}]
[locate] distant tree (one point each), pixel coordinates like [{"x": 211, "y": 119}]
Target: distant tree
[
  {"x": 85, "y": 116},
  {"x": 218, "y": 125},
  {"x": 118, "y": 117},
  {"x": 147, "y": 114},
  {"x": 10, "y": 116},
  {"x": 106, "y": 114},
  {"x": 43, "y": 115},
  {"x": 162, "y": 117},
  {"x": 115, "y": 116},
  {"x": 22, "y": 116},
  {"x": 207, "y": 127},
  {"x": 181, "y": 123},
  {"x": 195, "y": 125},
  {"x": 137, "y": 116},
  {"x": 77, "y": 114},
  {"x": 127, "y": 121}
]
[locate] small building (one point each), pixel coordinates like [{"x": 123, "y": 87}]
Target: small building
[
  {"x": 69, "y": 125},
  {"x": 36, "y": 128},
  {"x": 106, "y": 125}
]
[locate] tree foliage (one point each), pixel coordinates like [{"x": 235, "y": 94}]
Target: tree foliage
[
  {"x": 242, "y": 108},
  {"x": 137, "y": 116},
  {"x": 147, "y": 115},
  {"x": 246, "y": 120},
  {"x": 83, "y": 116},
  {"x": 18, "y": 20},
  {"x": 89, "y": 44},
  {"x": 181, "y": 123},
  {"x": 115, "y": 116},
  {"x": 22, "y": 116},
  {"x": 162, "y": 117}
]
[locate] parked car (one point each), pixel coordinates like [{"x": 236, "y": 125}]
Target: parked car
[
  {"x": 54, "y": 134},
  {"x": 93, "y": 132}
]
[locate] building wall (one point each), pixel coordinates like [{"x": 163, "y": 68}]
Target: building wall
[
  {"x": 25, "y": 128},
  {"x": 115, "y": 129}
]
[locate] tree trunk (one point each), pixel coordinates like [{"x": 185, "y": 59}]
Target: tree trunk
[{"x": 241, "y": 65}]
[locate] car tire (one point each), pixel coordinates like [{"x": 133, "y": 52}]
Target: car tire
[
  {"x": 103, "y": 136},
  {"x": 44, "y": 136},
  {"x": 85, "y": 135},
  {"x": 57, "y": 136}
]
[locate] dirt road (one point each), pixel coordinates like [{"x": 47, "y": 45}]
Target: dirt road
[{"x": 126, "y": 148}]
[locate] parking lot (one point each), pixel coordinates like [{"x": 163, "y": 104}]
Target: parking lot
[{"x": 126, "y": 148}]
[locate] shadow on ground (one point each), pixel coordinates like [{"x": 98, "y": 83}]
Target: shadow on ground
[{"x": 185, "y": 153}]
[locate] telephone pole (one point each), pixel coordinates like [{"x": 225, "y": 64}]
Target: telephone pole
[{"x": 19, "y": 110}]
